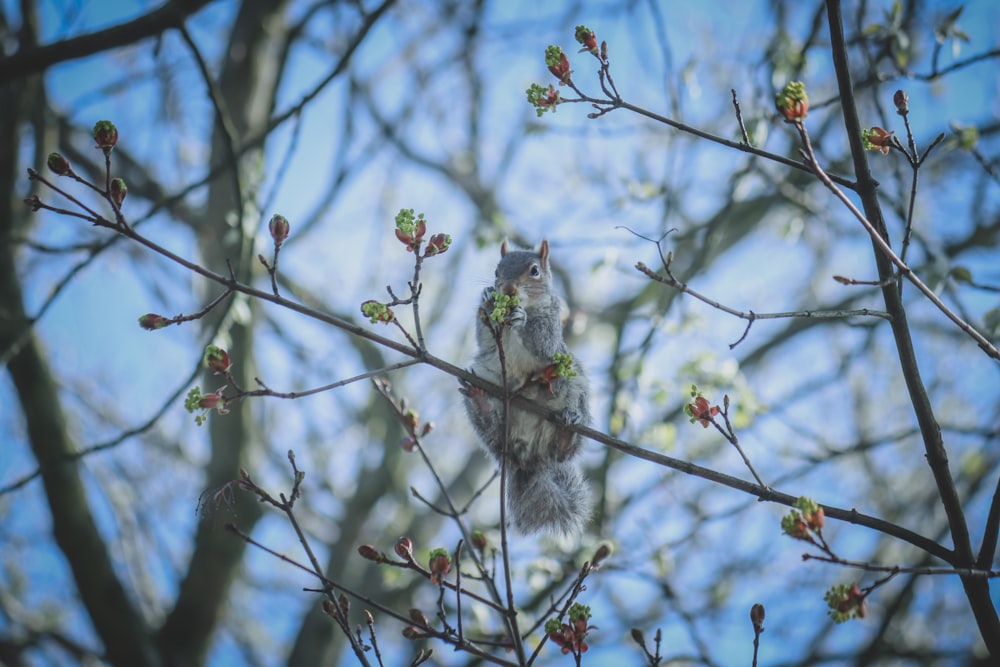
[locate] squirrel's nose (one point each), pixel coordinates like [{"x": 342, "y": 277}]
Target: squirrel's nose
[{"x": 509, "y": 290}]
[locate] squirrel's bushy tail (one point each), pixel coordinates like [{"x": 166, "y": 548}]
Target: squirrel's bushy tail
[{"x": 551, "y": 498}]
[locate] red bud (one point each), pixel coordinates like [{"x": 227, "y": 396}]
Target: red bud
[
  {"x": 106, "y": 135},
  {"x": 279, "y": 228}
]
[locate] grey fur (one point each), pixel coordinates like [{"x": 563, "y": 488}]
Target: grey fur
[{"x": 546, "y": 490}]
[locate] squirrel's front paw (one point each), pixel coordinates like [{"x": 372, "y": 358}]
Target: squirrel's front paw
[
  {"x": 571, "y": 416},
  {"x": 476, "y": 397},
  {"x": 487, "y": 297},
  {"x": 517, "y": 316}
]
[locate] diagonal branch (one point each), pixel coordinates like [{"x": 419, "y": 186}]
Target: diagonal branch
[{"x": 38, "y": 59}]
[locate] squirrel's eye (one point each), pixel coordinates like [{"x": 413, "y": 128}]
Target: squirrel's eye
[{"x": 535, "y": 271}]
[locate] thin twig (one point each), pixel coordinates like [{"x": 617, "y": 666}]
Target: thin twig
[
  {"x": 667, "y": 278},
  {"x": 900, "y": 569},
  {"x": 739, "y": 118},
  {"x": 883, "y": 246}
]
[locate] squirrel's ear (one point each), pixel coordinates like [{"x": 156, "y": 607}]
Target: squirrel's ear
[
  {"x": 543, "y": 252},
  {"x": 503, "y": 248}
]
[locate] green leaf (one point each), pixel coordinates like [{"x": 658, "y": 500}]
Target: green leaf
[{"x": 961, "y": 274}]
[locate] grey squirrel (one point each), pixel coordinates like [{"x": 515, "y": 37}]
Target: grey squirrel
[{"x": 546, "y": 490}]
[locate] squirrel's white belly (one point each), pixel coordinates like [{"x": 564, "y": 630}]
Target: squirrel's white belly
[{"x": 521, "y": 363}]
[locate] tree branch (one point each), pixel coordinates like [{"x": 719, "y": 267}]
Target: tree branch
[
  {"x": 38, "y": 59},
  {"x": 977, "y": 590}
]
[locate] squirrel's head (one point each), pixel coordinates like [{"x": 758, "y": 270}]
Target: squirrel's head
[{"x": 524, "y": 273}]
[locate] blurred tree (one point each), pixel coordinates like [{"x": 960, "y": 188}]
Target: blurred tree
[{"x": 857, "y": 392}]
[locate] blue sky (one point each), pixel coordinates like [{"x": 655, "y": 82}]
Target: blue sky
[{"x": 91, "y": 328}]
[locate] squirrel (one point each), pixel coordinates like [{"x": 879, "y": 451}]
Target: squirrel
[{"x": 546, "y": 491}]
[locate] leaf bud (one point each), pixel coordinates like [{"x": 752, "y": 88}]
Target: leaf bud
[
  {"x": 58, "y": 164},
  {"x": 118, "y": 191},
  {"x": 792, "y": 101},
  {"x": 216, "y": 359},
  {"x": 902, "y": 102},
  {"x": 106, "y": 135},
  {"x": 757, "y": 617},
  {"x": 404, "y": 548},
  {"x": 279, "y": 227},
  {"x": 368, "y": 552},
  {"x": 152, "y": 321}
]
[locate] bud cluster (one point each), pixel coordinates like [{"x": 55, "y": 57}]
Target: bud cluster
[
  {"x": 216, "y": 359},
  {"x": 542, "y": 98},
  {"x": 570, "y": 637},
  {"x": 439, "y": 564},
  {"x": 377, "y": 311},
  {"x": 558, "y": 64},
  {"x": 502, "y": 305},
  {"x": 410, "y": 230},
  {"x": 196, "y": 401},
  {"x": 802, "y": 522},
  {"x": 700, "y": 409},
  {"x": 845, "y": 602},
  {"x": 564, "y": 365},
  {"x": 793, "y": 102},
  {"x": 876, "y": 139},
  {"x": 587, "y": 39}
]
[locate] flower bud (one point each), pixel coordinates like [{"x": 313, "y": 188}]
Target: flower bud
[
  {"x": 376, "y": 311},
  {"x": 876, "y": 139},
  {"x": 586, "y": 37},
  {"x": 410, "y": 228},
  {"x": 368, "y": 552},
  {"x": 106, "y": 135},
  {"x": 815, "y": 520},
  {"x": 404, "y": 548},
  {"x": 792, "y": 101},
  {"x": 279, "y": 227},
  {"x": 902, "y": 102},
  {"x": 603, "y": 551},
  {"x": 58, "y": 164},
  {"x": 795, "y": 527},
  {"x": 558, "y": 63},
  {"x": 479, "y": 539},
  {"x": 152, "y": 321},
  {"x": 757, "y": 617},
  {"x": 439, "y": 563},
  {"x": 118, "y": 191},
  {"x": 217, "y": 359},
  {"x": 437, "y": 244},
  {"x": 411, "y": 418},
  {"x": 543, "y": 99},
  {"x": 215, "y": 401},
  {"x": 419, "y": 617}
]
